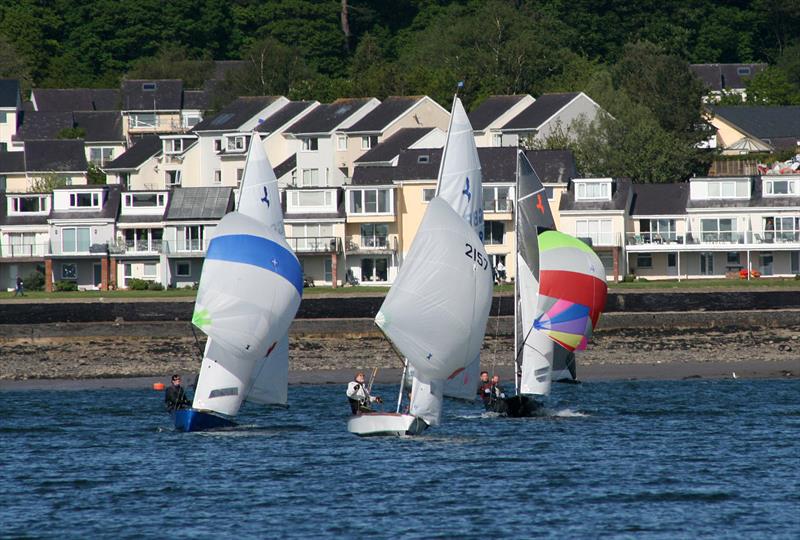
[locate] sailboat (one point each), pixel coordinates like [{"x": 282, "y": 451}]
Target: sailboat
[
  {"x": 459, "y": 184},
  {"x": 249, "y": 293},
  {"x": 559, "y": 292},
  {"x": 435, "y": 317}
]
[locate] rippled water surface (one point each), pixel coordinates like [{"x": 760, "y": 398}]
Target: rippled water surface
[{"x": 618, "y": 459}]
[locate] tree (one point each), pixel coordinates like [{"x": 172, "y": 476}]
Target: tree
[
  {"x": 173, "y": 62},
  {"x": 14, "y": 66},
  {"x": 772, "y": 87},
  {"x": 47, "y": 183},
  {"x": 94, "y": 175},
  {"x": 72, "y": 133}
]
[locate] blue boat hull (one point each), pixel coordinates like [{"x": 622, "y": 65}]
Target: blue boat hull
[{"x": 194, "y": 420}]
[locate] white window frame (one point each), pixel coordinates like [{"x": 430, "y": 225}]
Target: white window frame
[
  {"x": 389, "y": 200},
  {"x": 106, "y": 155},
  {"x": 76, "y": 229},
  {"x": 297, "y": 195},
  {"x": 593, "y": 191},
  {"x": 310, "y": 144},
  {"x": 596, "y": 230},
  {"x": 428, "y": 194},
  {"x": 129, "y": 199},
  {"x": 173, "y": 146},
  {"x": 178, "y": 272},
  {"x": 217, "y": 176},
  {"x": 144, "y": 120},
  {"x": 791, "y": 187},
  {"x": 94, "y": 201},
  {"x": 177, "y": 179},
  {"x": 150, "y": 265},
  {"x": 236, "y": 144},
  {"x": 14, "y": 204},
  {"x": 497, "y": 139},
  {"x": 341, "y": 142}
]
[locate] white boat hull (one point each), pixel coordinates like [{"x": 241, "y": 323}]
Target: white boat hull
[{"x": 374, "y": 424}]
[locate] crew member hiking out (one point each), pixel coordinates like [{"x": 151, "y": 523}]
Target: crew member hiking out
[
  {"x": 358, "y": 395},
  {"x": 175, "y": 396}
]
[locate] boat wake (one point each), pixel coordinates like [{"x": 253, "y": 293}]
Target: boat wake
[{"x": 564, "y": 413}]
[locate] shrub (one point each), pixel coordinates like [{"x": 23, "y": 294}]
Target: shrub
[
  {"x": 34, "y": 281},
  {"x": 155, "y": 286},
  {"x": 136, "y": 284},
  {"x": 630, "y": 278},
  {"x": 641, "y": 279},
  {"x": 65, "y": 285},
  {"x": 797, "y": 277}
]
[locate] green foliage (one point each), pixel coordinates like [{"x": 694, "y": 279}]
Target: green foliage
[
  {"x": 47, "y": 183},
  {"x": 94, "y": 175},
  {"x": 772, "y": 87},
  {"x": 65, "y": 285},
  {"x": 34, "y": 281},
  {"x": 136, "y": 284},
  {"x": 155, "y": 286},
  {"x": 172, "y": 62},
  {"x": 72, "y": 133}
]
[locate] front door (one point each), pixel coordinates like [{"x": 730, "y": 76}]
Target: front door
[
  {"x": 98, "y": 275},
  {"x": 672, "y": 264}
]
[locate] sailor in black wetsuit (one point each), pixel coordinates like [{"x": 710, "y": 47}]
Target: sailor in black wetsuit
[
  {"x": 175, "y": 396},
  {"x": 497, "y": 396},
  {"x": 485, "y": 389}
]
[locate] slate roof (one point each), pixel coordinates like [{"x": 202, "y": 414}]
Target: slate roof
[
  {"x": 540, "y": 111},
  {"x": 286, "y": 166},
  {"x": 326, "y": 117},
  {"x": 391, "y": 147},
  {"x": 620, "y": 189},
  {"x": 55, "y": 155},
  {"x": 283, "y": 115},
  {"x": 12, "y": 162},
  {"x": 197, "y": 99},
  {"x": 105, "y": 126},
  {"x": 756, "y": 200},
  {"x": 9, "y": 93},
  {"x": 76, "y": 99},
  {"x": 659, "y": 199},
  {"x": 776, "y": 125},
  {"x": 235, "y": 114},
  {"x": 200, "y": 203},
  {"x": 720, "y": 77},
  {"x": 167, "y": 95},
  {"x": 379, "y": 118},
  {"x": 134, "y": 157},
  {"x": 110, "y": 209},
  {"x": 553, "y": 166},
  {"x": 491, "y": 109},
  {"x": 150, "y": 218}
]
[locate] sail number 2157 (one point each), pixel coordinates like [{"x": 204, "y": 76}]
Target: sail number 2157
[{"x": 476, "y": 256}]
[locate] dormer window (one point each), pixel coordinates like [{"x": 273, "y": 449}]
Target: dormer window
[
  {"x": 781, "y": 187},
  {"x": 726, "y": 188},
  {"x": 593, "y": 190},
  {"x": 310, "y": 144},
  {"x": 173, "y": 146},
  {"x": 29, "y": 204},
  {"x": 84, "y": 200},
  {"x": 149, "y": 86},
  {"x": 423, "y": 159},
  {"x": 144, "y": 200},
  {"x": 237, "y": 143}
]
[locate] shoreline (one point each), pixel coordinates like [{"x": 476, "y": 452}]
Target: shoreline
[{"x": 593, "y": 373}]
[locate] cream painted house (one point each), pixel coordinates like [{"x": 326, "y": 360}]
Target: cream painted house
[
  {"x": 493, "y": 113},
  {"x": 549, "y": 113}
]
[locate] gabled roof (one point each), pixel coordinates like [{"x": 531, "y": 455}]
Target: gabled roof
[
  {"x": 283, "y": 115},
  {"x": 200, "y": 203},
  {"x": 286, "y": 166},
  {"x": 233, "y": 116},
  {"x": 775, "y": 125},
  {"x": 152, "y": 95},
  {"x": 620, "y": 191},
  {"x": 9, "y": 93},
  {"x": 103, "y": 126},
  {"x": 12, "y": 162},
  {"x": 134, "y": 157},
  {"x": 491, "y": 109},
  {"x": 540, "y": 111},
  {"x": 55, "y": 155},
  {"x": 718, "y": 77},
  {"x": 390, "y": 148},
  {"x": 379, "y": 118},
  {"x": 326, "y": 117},
  {"x": 75, "y": 99},
  {"x": 110, "y": 209},
  {"x": 659, "y": 199},
  {"x": 553, "y": 166}
]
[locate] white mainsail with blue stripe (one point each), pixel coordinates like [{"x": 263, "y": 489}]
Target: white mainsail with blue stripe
[{"x": 249, "y": 293}]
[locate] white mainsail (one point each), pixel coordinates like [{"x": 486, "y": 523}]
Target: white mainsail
[
  {"x": 533, "y": 350},
  {"x": 249, "y": 292},
  {"x": 436, "y": 311},
  {"x": 460, "y": 184}
]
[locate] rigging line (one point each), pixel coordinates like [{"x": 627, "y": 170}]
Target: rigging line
[{"x": 197, "y": 342}]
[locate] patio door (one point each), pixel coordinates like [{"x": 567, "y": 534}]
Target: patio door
[
  {"x": 766, "y": 264},
  {"x": 672, "y": 264},
  {"x": 98, "y": 274}
]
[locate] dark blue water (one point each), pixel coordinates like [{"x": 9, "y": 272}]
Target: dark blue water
[{"x": 712, "y": 459}]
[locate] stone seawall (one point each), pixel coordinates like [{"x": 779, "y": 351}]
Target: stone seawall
[{"x": 346, "y": 307}]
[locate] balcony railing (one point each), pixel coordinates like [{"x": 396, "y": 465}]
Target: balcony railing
[
  {"x": 195, "y": 246},
  {"x": 23, "y": 250},
  {"x": 371, "y": 243},
  {"x": 315, "y": 244},
  {"x": 600, "y": 239},
  {"x": 714, "y": 237},
  {"x": 498, "y": 205}
]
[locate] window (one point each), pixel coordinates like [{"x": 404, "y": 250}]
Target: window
[
  {"x": 75, "y": 240},
  {"x": 550, "y": 193},
  {"x": 368, "y": 141},
  {"x": 733, "y": 258},
  {"x": 428, "y": 194},
  {"x": 101, "y": 156},
  {"x": 493, "y": 232},
  {"x": 217, "y": 176},
  {"x": 370, "y": 201},
  {"x": 795, "y": 262},
  {"x": 312, "y": 198},
  {"x": 341, "y": 142},
  {"x": 149, "y": 86},
  {"x": 173, "y": 178},
  {"x": 742, "y": 70},
  {"x": 424, "y": 158},
  {"x": 217, "y": 145},
  {"x": 328, "y": 277},
  {"x": 644, "y": 260},
  {"x": 24, "y": 205},
  {"x": 24, "y": 245},
  {"x": 707, "y": 264},
  {"x": 310, "y": 144},
  {"x": 718, "y": 230},
  {"x": 780, "y": 187},
  {"x": 125, "y": 180},
  {"x": 782, "y": 228},
  {"x": 497, "y": 139},
  {"x": 658, "y": 231},
  {"x": 144, "y": 200},
  {"x": 183, "y": 268},
  {"x": 144, "y": 120},
  {"x": 311, "y": 178},
  {"x": 173, "y": 146},
  {"x": 143, "y": 240},
  {"x": 597, "y": 230},
  {"x": 374, "y": 269},
  {"x": 149, "y": 270},
  {"x": 592, "y": 191},
  {"x": 190, "y": 238},
  {"x": 239, "y": 176},
  {"x": 496, "y": 199},
  {"x": 190, "y": 120},
  {"x": 236, "y": 144},
  {"x": 374, "y": 235},
  {"x": 69, "y": 271},
  {"x": 84, "y": 200},
  {"x": 313, "y": 237},
  {"x": 3, "y": 117},
  {"x": 722, "y": 189}
]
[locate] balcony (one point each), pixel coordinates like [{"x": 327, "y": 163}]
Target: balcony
[
  {"x": 371, "y": 244},
  {"x": 498, "y": 206},
  {"x": 712, "y": 238},
  {"x": 188, "y": 248},
  {"x": 24, "y": 251},
  {"x": 315, "y": 244},
  {"x": 135, "y": 247}
]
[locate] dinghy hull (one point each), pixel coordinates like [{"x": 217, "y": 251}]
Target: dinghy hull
[
  {"x": 385, "y": 424},
  {"x": 521, "y": 406},
  {"x": 195, "y": 420}
]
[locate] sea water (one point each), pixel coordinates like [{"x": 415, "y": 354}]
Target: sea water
[{"x": 711, "y": 459}]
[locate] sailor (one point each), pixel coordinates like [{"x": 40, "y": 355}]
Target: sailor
[
  {"x": 358, "y": 395},
  {"x": 497, "y": 391},
  {"x": 485, "y": 388},
  {"x": 175, "y": 396}
]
